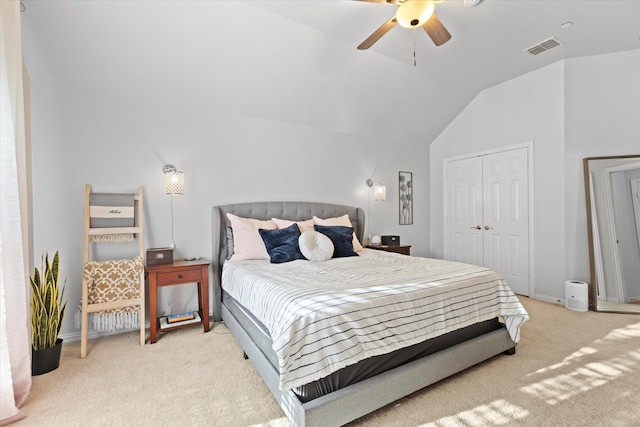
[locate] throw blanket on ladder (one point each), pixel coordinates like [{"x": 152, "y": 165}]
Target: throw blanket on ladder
[
  {"x": 111, "y": 210},
  {"x": 113, "y": 281}
]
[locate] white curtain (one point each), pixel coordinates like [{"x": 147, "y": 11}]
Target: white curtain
[{"x": 15, "y": 337}]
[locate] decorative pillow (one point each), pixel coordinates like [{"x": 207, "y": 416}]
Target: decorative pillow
[
  {"x": 344, "y": 221},
  {"x": 282, "y": 245},
  {"x": 315, "y": 246},
  {"x": 247, "y": 243},
  {"x": 302, "y": 225},
  {"x": 341, "y": 237}
]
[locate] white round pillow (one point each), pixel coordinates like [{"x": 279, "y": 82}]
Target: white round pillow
[{"x": 315, "y": 246}]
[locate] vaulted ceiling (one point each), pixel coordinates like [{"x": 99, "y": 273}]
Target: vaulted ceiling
[{"x": 267, "y": 44}]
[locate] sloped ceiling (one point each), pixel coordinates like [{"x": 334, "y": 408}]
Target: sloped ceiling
[{"x": 271, "y": 59}]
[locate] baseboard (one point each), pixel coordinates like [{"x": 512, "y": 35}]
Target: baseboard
[
  {"x": 547, "y": 298},
  {"x": 75, "y": 336}
]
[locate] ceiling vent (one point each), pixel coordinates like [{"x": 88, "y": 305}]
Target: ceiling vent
[{"x": 543, "y": 46}]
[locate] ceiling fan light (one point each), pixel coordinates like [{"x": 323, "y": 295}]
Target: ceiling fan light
[
  {"x": 471, "y": 3},
  {"x": 414, "y": 13}
]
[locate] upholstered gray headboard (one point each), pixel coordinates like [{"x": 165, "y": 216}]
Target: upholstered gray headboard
[{"x": 296, "y": 211}]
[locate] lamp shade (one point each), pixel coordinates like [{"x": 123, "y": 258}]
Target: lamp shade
[
  {"x": 414, "y": 13},
  {"x": 379, "y": 192},
  {"x": 173, "y": 182}
]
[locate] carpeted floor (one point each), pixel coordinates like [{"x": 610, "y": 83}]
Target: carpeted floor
[{"x": 570, "y": 369}]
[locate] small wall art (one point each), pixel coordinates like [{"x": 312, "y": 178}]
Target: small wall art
[{"x": 405, "y": 181}]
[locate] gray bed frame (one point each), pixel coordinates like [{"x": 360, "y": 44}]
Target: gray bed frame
[{"x": 354, "y": 401}]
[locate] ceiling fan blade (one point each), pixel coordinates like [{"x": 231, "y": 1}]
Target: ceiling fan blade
[
  {"x": 384, "y": 28},
  {"x": 436, "y": 31}
]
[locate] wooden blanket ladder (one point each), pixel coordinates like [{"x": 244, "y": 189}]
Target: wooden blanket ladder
[{"x": 94, "y": 234}]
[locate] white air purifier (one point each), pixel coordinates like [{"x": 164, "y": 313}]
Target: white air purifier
[{"x": 576, "y": 295}]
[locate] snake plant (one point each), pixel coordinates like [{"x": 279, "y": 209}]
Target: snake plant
[{"x": 47, "y": 308}]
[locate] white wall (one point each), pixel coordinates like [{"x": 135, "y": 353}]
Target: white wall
[
  {"x": 602, "y": 94},
  {"x": 569, "y": 110},
  {"x": 263, "y": 124}
]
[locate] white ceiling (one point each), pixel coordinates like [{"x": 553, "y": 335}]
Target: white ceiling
[
  {"x": 488, "y": 40},
  {"x": 486, "y": 48}
]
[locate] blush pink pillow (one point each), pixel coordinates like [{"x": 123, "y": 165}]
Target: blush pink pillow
[
  {"x": 343, "y": 221},
  {"x": 302, "y": 225},
  {"x": 247, "y": 243}
]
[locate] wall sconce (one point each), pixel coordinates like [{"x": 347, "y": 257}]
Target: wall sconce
[
  {"x": 173, "y": 184},
  {"x": 379, "y": 194},
  {"x": 173, "y": 180},
  {"x": 379, "y": 190}
]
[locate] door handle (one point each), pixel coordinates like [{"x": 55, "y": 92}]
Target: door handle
[
  {"x": 486, "y": 227},
  {"x": 477, "y": 227}
]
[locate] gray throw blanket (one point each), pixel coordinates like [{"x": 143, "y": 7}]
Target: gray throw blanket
[{"x": 111, "y": 210}]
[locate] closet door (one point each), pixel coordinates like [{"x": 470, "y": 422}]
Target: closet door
[
  {"x": 506, "y": 217},
  {"x": 487, "y": 214},
  {"x": 463, "y": 213}
]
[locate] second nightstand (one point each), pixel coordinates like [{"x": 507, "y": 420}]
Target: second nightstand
[{"x": 400, "y": 249}]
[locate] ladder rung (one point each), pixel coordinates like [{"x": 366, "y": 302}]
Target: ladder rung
[
  {"x": 113, "y": 230},
  {"x": 92, "y": 308}
]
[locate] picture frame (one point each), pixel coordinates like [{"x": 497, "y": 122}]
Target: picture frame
[{"x": 405, "y": 197}]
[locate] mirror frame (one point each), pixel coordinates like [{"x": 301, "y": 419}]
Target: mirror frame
[{"x": 593, "y": 285}]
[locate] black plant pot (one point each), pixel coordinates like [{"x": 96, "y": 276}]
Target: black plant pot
[{"x": 47, "y": 359}]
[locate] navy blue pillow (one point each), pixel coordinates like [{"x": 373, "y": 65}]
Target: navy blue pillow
[
  {"x": 341, "y": 237},
  {"x": 282, "y": 244}
]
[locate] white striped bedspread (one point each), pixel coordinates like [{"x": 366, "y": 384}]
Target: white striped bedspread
[{"x": 323, "y": 316}]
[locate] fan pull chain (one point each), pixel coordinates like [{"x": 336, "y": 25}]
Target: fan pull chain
[{"x": 414, "y": 47}]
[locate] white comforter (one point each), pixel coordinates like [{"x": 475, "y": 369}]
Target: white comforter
[{"x": 323, "y": 316}]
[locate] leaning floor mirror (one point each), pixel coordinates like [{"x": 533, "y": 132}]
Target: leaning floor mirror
[{"x": 612, "y": 191}]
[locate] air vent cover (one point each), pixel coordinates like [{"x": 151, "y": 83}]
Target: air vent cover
[{"x": 543, "y": 46}]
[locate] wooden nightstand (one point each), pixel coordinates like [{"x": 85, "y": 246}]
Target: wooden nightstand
[
  {"x": 400, "y": 249},
  {"x": 178, "y": 273}
]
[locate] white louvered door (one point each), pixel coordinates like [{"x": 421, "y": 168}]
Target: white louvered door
[{"x": 487, "y": 214}]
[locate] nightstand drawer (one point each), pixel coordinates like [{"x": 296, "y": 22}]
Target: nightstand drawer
[{"x": 176, "y": 277}]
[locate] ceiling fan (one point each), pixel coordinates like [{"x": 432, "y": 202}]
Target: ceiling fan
[{"x": 411, "y": 14}]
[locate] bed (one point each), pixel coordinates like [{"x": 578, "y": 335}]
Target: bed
[{"x": 325, "y": 387}]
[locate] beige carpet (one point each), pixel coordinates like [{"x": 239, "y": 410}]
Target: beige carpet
[{"x": 570, "y": 369}]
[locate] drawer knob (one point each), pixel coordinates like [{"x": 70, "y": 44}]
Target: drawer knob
[{"x": 179, "y": 276}]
